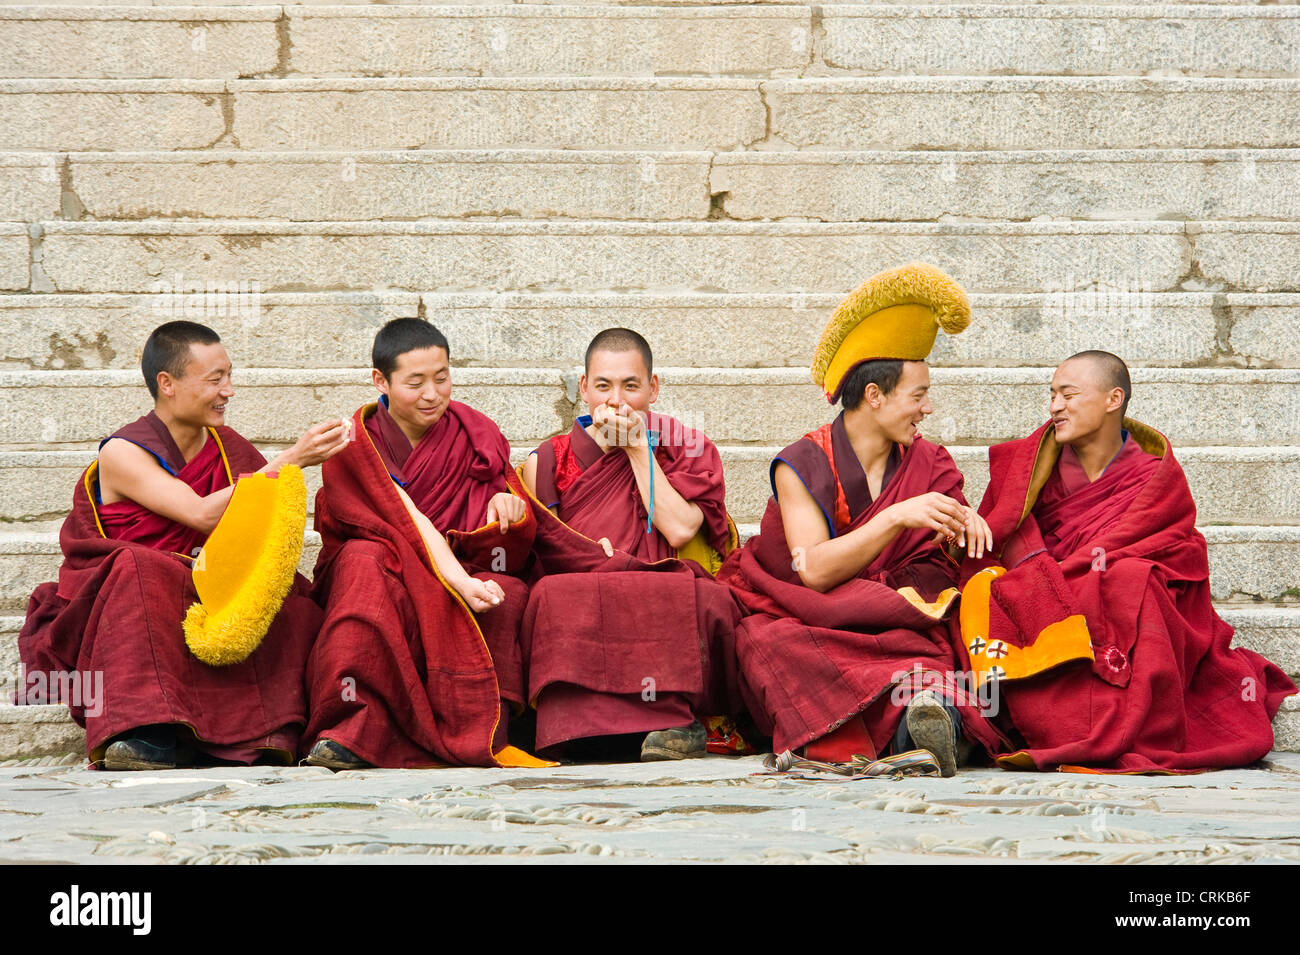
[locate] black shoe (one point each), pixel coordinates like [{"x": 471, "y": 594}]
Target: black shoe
[
  {"x": 331, "y": 755},
  {"x": 681, "y": 742},
  {"x": 145, "y": 747},
  {"x": 931, "y": 728}
]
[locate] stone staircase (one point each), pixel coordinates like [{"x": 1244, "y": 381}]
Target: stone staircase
[{"x": 717, "y": 175}]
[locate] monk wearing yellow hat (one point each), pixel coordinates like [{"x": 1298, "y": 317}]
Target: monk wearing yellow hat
[{"x": 850, "y": 647}]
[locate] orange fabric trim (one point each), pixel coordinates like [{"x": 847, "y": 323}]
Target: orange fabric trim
[
  {"x": 822, "y": 438},
  {"x": 1020, "y": 760},
  {"x": 515, "y": 758},
  {"x": 936, "y": 609},
  {"x": 991, "y": 659},
  {"x": 88, "y": 480},
  {"x": 225, "y": 462}
]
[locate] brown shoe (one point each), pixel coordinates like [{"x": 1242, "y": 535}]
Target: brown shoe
[
  {"x": 931, "y": 728},
  {"x": 681, "y": 742},
  {"x": 331, "y": 755}
]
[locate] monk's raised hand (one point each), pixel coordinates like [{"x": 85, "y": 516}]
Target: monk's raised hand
[
  {"x": 506, "y": 508},
  {"x": 935, "y": 511},
  {"x": 481, "y": 595},
  {"x": 606, "y": 546},
  {"x": 631, "y": 425},
  {"x": 321, "y": 442}
]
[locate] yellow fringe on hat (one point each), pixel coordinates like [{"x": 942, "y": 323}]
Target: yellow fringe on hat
[
  {"x": 914, "y": 284},
  {"x": 246, "y": 569}
]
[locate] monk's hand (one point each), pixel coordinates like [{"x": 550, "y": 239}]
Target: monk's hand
[
  {"x": 506, "y": 508},
  {"x": 481, "y": 595},
  {"x": 320, "y": 443},
  {"x": 935, "y": 511},
  {"x": 620, "y": 427},
  {"x": 978, "y": 536},
  {"x": 606, "y": 546}
]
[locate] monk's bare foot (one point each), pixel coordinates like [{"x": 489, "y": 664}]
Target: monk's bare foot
[
  {"x": 331, "y": 755},
  {"x": 931, "y": 728},
  {"x": 681, "y": 742}
]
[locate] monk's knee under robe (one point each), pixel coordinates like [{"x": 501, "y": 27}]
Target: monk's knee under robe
[{"x": 627, "y": 652}]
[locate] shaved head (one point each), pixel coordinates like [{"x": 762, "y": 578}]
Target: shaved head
[
  {"x": 1109, "y": 373},
  {"x": 620, "y": 339}
]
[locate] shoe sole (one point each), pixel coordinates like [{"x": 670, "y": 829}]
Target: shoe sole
[
  {"x": 931, "y": 729},
  {"x": 116, "y": 764},
  {"x": 333, "y": 764},
  {"x": 655, "y": 754}
]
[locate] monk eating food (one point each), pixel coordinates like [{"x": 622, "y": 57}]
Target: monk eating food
[
  {"x": 1093, "y": 613},
  {"x": 849, "y": 645},
  {"x": 141, "y": 514},
  {"x": 425, "y": 536},
  {"x": 627, "y": 635}
]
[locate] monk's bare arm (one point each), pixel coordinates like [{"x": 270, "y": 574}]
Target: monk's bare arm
[
  {"x": 129, "y": 472},
  {"x": 824, "y": 562},
  {"x": 479, "y": 594},
  {"x": 821, "y": 561},
  {"x": 676, "y": 518}
]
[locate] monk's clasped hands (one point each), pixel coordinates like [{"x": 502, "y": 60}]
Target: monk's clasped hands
[
  {"x": 481, "y": 595},
  {"x": 620, "y": 427}
]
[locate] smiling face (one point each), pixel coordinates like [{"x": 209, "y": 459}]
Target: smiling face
[
  {"x": 899, "y": 413},
  {"x": 418, "y": 390},
  {"x": 199, "y": 396},
  {"x": 1081, "y": 404},
  {"x": 618, "y": 377}
]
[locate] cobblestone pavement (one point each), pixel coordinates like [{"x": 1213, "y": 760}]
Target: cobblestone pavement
[{"x": 709, "y": 810}]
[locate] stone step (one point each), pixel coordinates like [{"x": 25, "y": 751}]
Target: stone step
[
  {"x": 1230, "y": 485},
  {"x": 899, "y": 112},
  {"x": 748, "y": 257},
  {"x": 767, "y": 406},
  {"x": 687, "y": 329},
  {"x": 926, "y": 185},
  {"x": 110, "y": 42},
  {"x": 586, "y": 40},
  {"x": 1246, "y": 561}
]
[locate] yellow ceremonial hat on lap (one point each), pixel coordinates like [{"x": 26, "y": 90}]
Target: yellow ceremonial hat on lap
[
  {"x": 247, "y": 566},
  {"x": 895, "y": 314}
]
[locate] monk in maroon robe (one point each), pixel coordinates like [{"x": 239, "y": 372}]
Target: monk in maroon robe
[
  {"x": 1094, "y": 615},
  {"x": 626, "y": 632},
  {"x": 848, "y": 589},
  {"x": 406, "y": 671},
  {"x": 140, "y": 515}
]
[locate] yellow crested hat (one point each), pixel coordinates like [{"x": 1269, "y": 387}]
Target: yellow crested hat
[
  {"x": 894, "y": 314},
  {"x": 247, "y": 566}
]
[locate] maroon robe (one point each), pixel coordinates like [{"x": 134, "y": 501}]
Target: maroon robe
[
  {"x": 1109, "y": 654},
  {"x": 117, "y": 610},
  {"x": 811, "y": 662},
  {"x": 635, "y": 642},
  {"x": 403, "y": 673}
]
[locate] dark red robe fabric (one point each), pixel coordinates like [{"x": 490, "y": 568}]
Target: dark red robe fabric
[
  {"x": 809, "y": 661},
  {"x": 635, "y": 642},
  {"x": 118, "y": 608},
  {"x": 1163, "y": 691},
  {"x": 403, "y": 673}
]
